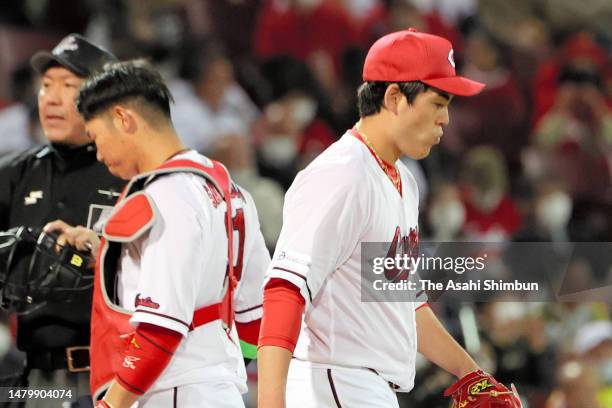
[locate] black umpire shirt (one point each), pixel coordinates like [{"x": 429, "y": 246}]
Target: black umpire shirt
[{"x": 47, "y": 183}]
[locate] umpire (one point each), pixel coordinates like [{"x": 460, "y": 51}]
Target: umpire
[{"x": 59, "y": 180}]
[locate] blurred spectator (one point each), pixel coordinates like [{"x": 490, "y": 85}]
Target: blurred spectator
[
  {"x": 594, "y": 345},
  {"x": 209, "y": 104},
  {"x": 155, "y": 24},
  {"x": 406, "y": 13},
  {"x": 238, "y": 155},
  {"x": 592, "y": 367},
  {"x": 524, "y": 353},
  {"x": 497, "y": 116},
  {"x": 446, "y": 213},
  {"x": 291, "y": 136},
  {"x": 566, "y": 319},
  {"x": 109, "y": 24},
  {"x": 19, "y": 120},
  {"x": 530, "y": 44},
  {"x": 50, "y": 15},
  {"x": 580, "y": 117},
  {"x": 295, "y": 125},
  {"x": 578, "y": 386},
  {"x": 313, "y": 31},
  {"x": 224, "y": 17},
  {"x": 152, "y": 29},
  {"x": 505, "y": 21},
  {"x": 569, "y": 15},
  {"x": 594, "y": 341},
  {"x": 585, "y": 176},
  {"x": 369, "y": 19},
  {"x": 579, "y": 53},
  {"x": 490, "y": 212},
  {"x": 575, "y": 136},
  {"x": 549, "y": 214},
  {"x": 452, "y": 11}
]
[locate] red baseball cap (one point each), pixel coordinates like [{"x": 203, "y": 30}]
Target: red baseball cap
[{"x": 408, "y": 55}]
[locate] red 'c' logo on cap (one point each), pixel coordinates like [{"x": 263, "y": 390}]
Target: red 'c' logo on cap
[{"x": 451, "y": 57}]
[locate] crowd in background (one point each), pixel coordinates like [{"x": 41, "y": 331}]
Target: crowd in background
[{"x": 265, "y": 85}]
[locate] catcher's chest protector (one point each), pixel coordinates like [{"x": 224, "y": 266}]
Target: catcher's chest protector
[{"x": 133, "y": 216}]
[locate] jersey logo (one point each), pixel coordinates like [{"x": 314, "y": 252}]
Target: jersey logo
[
  {"x": 406, "y": 245},
  {"x": 128, "y": 362},
  {"x": 292, "y": 257},
  {"x": 33, "y": 197},
  {"x": 146, "y": 302}
]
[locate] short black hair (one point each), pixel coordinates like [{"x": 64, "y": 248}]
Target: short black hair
[
  {"x": 126, "y": 81},
  {"x": 370, "y": 95}
]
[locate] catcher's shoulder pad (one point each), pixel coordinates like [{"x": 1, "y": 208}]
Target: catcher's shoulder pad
[{"x": 131, "y": 218}]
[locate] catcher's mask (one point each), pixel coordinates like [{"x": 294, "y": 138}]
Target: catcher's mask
[{"x": 35, "y": 270}]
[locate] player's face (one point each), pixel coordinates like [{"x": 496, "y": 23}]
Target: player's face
[
  {"x": 59, "y": 118},
  {"x": 115, "y": 149},
  {"x": 420, "y": 124}
]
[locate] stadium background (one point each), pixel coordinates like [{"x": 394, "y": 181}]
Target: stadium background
[{"x": 265, "y": 85}]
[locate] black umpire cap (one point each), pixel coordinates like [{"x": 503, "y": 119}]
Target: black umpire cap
[{"x": 75, "y": 53}]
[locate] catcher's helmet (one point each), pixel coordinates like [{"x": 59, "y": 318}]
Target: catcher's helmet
[{"x": 35, "y": 270}]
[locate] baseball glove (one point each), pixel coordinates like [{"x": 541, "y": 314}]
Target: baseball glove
[{"x": 480, "y": 390}]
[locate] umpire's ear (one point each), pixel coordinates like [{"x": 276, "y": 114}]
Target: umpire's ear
[{"x": 392, "y": 98}]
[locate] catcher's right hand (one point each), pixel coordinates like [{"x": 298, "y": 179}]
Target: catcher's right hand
[{"x": 480, "y": 390}]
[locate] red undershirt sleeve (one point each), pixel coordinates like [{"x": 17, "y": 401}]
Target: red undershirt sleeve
[{"x": 283, "y": 306}]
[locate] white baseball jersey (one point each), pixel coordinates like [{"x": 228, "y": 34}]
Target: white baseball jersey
[
  {"x": 344, "y": 198},
  {"x": 179, "y": 266}
]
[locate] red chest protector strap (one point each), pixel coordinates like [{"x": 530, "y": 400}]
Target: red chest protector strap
[{"x": 223, "y": 310}]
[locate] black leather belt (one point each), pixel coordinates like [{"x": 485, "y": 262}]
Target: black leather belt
[{"x": 74, "y": 359}]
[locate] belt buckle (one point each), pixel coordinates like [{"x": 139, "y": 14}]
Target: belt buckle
[{"x": 70, "y": 360}]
